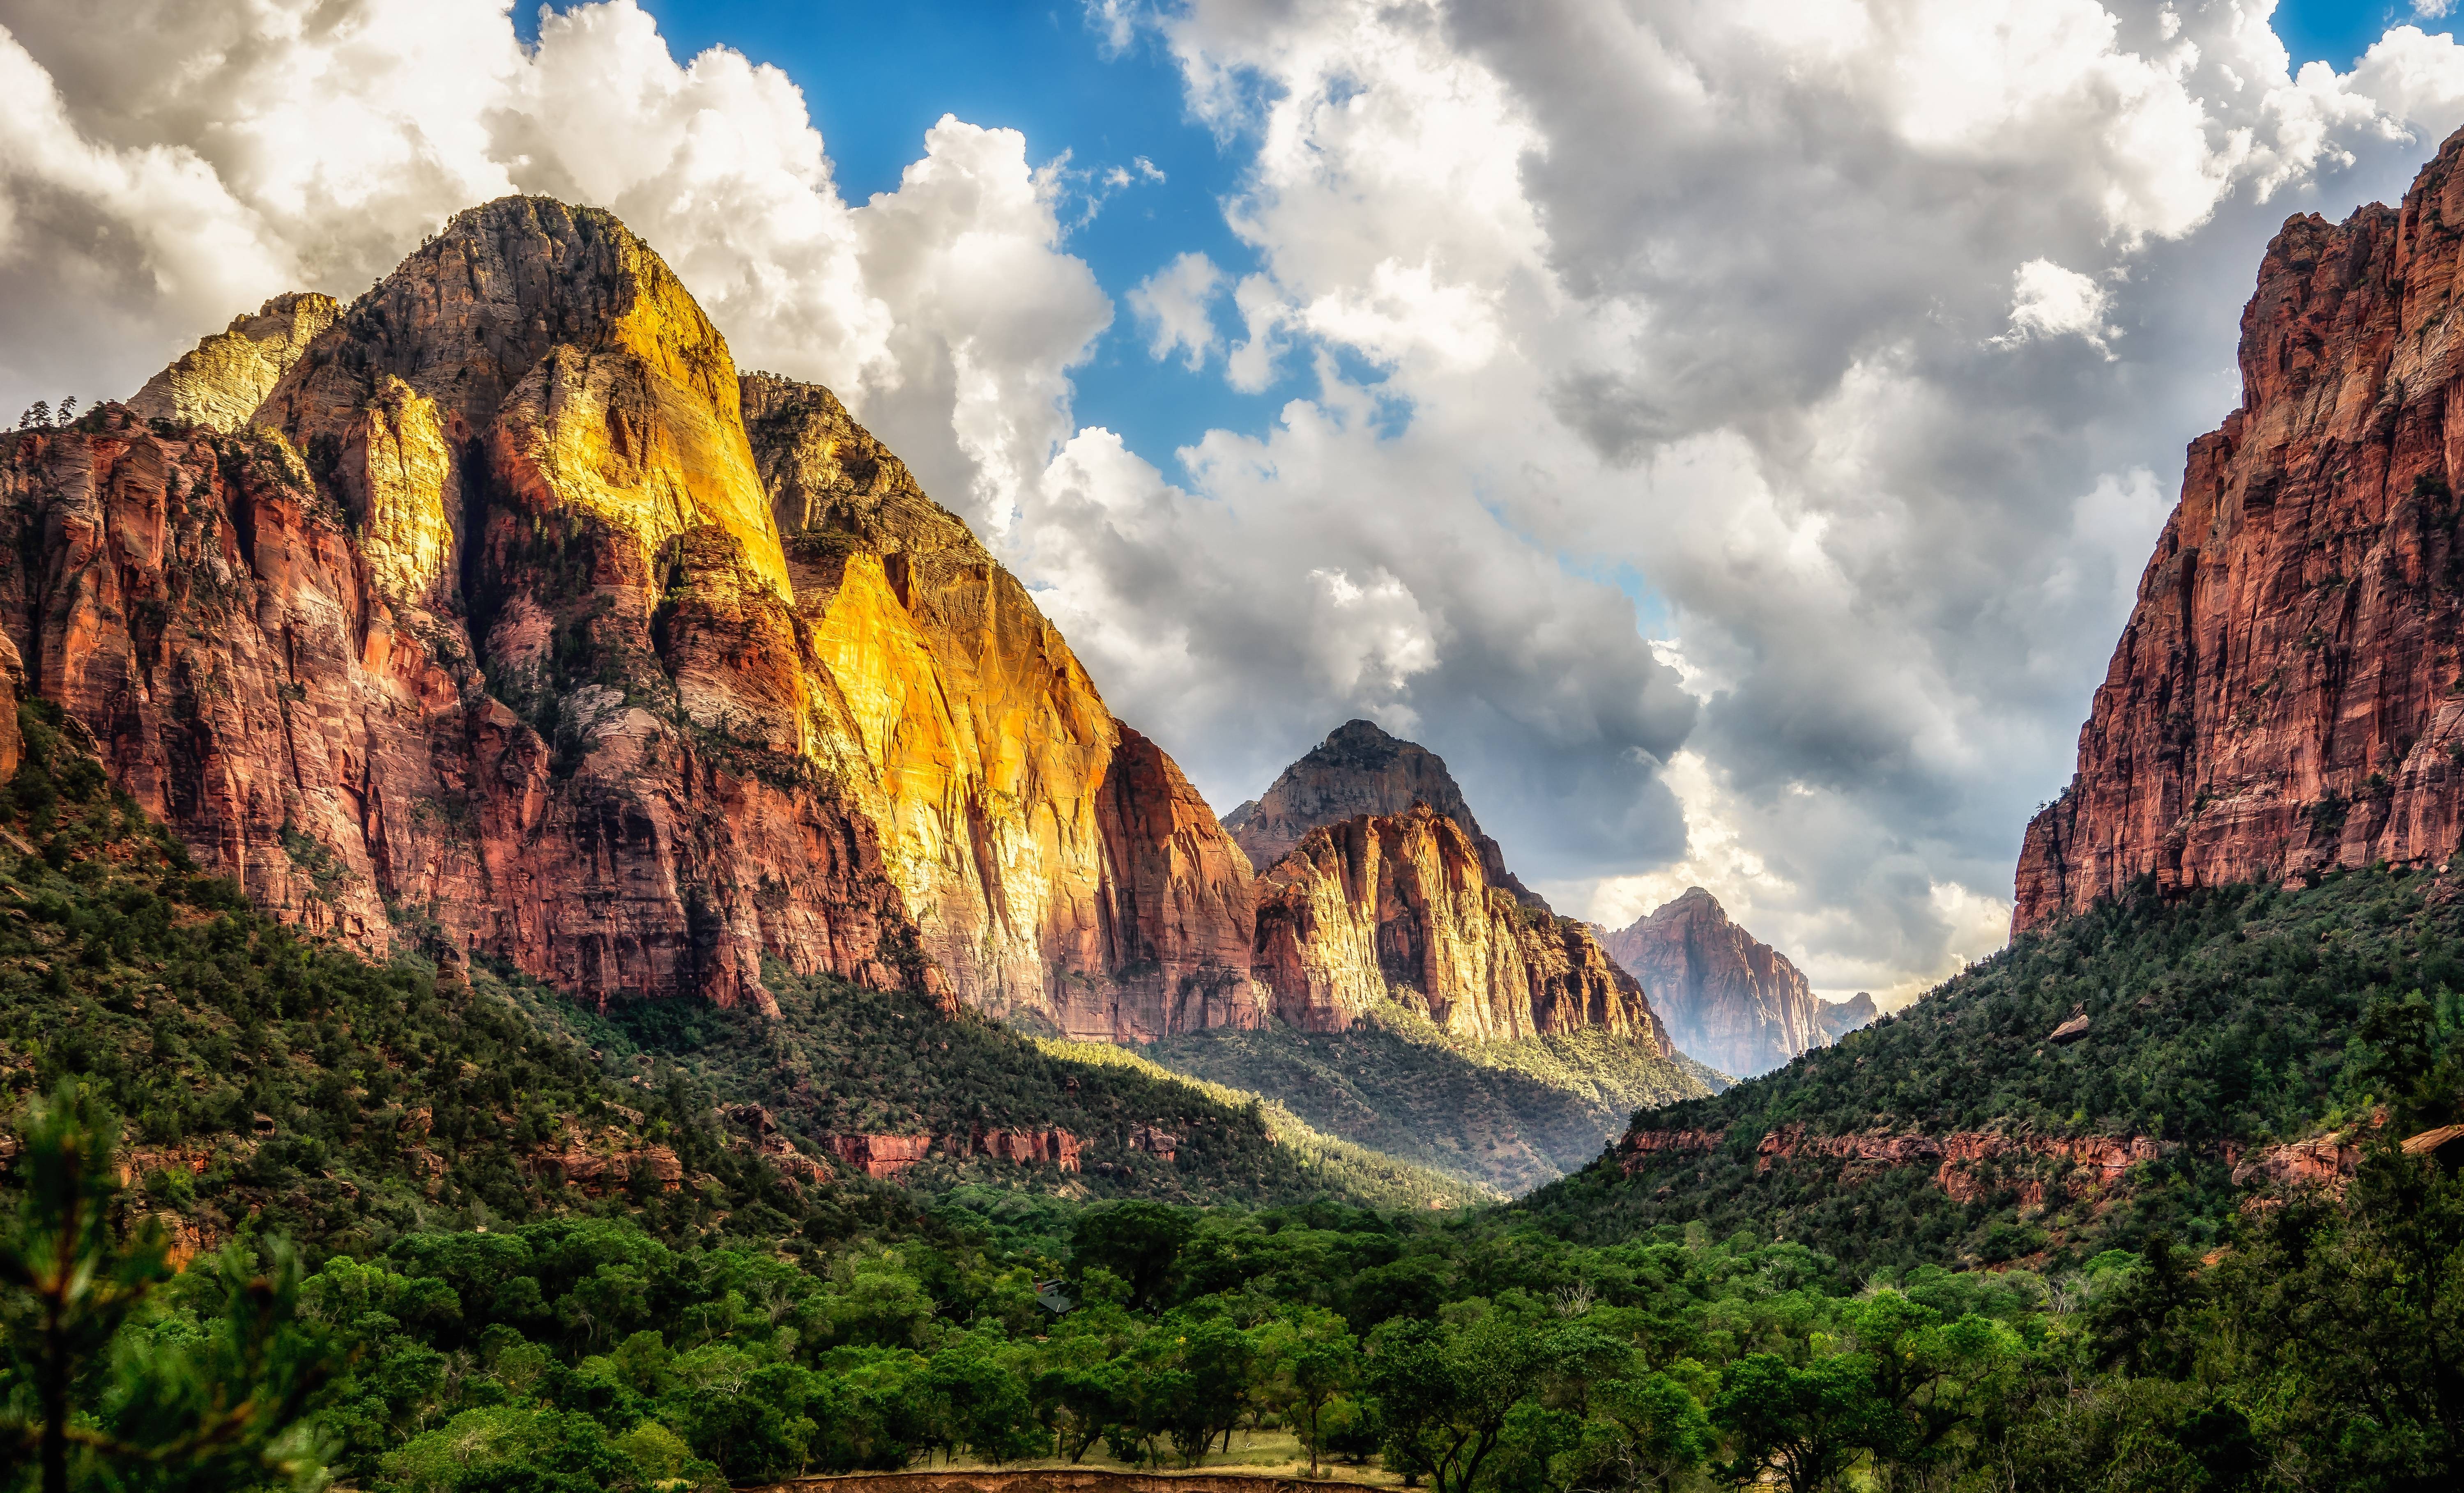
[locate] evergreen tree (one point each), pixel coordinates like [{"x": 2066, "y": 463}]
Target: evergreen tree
[{"x": 216, "y": 1403}]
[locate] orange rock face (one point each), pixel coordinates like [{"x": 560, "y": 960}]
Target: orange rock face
[
  {"x": 1057, "y": 863},
  {"x": 462, "y": 614},
  {"x": 1359, "y": 769},
  {"x": 1730, "y": 1001},
  {"x": 2288, "y": 696},
  {"x": 1400, "y": 907}
]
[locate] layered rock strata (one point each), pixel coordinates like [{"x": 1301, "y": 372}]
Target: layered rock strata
[
  {"x": 1359, "y": 769},
  {"x": 2288, "y": 696},
  {"x": 462, "y": 615},
  {"x": 1729, "y": 1000},
  {"x": 1400, "y": 907}
]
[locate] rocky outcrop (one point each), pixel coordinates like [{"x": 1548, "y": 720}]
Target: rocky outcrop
[
  {"x": 1965, "y": 1164},
  {"x": 896, "y": 1155},
  {"x": 2288, "y": 696},
  {"x": 1728, "y": 1001},
  {"x": 463, "y": 615},
  {"x": 1400, "y": 907},
  {"x": 220, "y": 382},
  {"x": 1057, "y": 863},
  {"x": 1838, "y": 1017},
  {"x": 1359, "y": 769}
]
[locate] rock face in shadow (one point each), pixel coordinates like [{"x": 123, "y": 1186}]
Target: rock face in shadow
[
  {"x": 2287, "y": 696},
  {"x": 1730, "y": 1001},
  {"x": 1359, "y": 769},
  {"x": 477, "y": 629},
  {"x": 1838, "y": 1017},
  {"x": 1400, "y": 907}
]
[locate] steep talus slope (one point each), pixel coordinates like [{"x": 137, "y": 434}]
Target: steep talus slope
[
  {"x": 1507, "y": 1114},
  {"x": 2139, "y": 1066},
  {"x": 1398, "y": 906},
  {"x": 1359, "y": 769},
  {"x": 483, "y": 634},
  {"x": 1059, "y": 864},
  {"x": 1730, "y": 1000},
  {"x": 2285, "y": 695}
]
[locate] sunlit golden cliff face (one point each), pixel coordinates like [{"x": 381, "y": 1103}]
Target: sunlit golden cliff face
[
  {"x": 1057, "y": 863},
  {"x": 461, "y": 615}
]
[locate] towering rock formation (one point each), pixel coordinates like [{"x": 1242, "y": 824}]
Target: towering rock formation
[
  {"x": 1400, "y": 907},
  {"x": 1359, "y": 769},
  {"x": 1734, "y": 1004},
  {"x": 1057, "y": 862},
  {"x": 2287, "y": 695},
  {"x": 464, "y": 615}
]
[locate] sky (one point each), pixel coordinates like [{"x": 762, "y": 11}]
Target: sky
[{"x": 1730, "y": 435}]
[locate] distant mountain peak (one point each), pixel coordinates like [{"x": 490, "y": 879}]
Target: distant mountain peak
[{"x": 1728, "y": 1000}]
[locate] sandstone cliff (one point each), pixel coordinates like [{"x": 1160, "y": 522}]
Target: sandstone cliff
[
  {"x": 462, "y": 615},
  {"x": 1730, "y": 1001},
  {"x": 1058, "y": 864},
  {"x": 1400, "y": 907},
  {"x": 1359, "y": 769},
  {"x": 2287, "y": 695}
]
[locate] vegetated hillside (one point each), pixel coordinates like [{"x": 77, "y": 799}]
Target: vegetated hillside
[
  {"x": 275, "y": 1085},
  {"x": 2216, "y": 1026},
  {"x": 891, "y": 1080},
  {"x": 1510, "y": 1115}
]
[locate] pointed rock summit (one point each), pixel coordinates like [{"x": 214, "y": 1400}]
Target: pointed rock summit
[
  {"x": 1728, "y": 1001},
  {"x": 1359, "y": 769},
  {"x": 1398, "y": 907}
]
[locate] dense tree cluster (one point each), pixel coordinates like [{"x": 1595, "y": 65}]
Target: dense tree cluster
[{"x": 409, "y": 1299}]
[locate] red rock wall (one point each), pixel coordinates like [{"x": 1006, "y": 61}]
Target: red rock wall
[
  {"x": 2287, "y": 696},
  {"x": 483, "y": 635},
  {"x": 198, "y": 608}
]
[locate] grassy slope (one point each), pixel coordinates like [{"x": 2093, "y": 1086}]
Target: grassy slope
[
  {"x": 843, "y": 1060},
  {"x": 1507, "y": 1115},
  {"x": 397, "y": 1105},
  {"x": 2231, "y": 1019}
]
